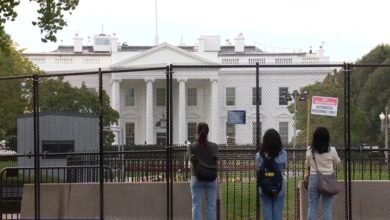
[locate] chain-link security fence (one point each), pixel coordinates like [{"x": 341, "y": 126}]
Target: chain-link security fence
[{"x": 131, "y": 126}]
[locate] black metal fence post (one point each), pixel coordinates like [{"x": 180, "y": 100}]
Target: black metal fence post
[
  {"x": 348, "y": 110},
  {"x": 346, "y": 155},
  {"x": 170, "y": 141},
  {"x": 37, "y": 173},
  {"x": 257, "y": 135},
  {"x": 167, "y": 168},
  {"x": 101, "y": 158}
]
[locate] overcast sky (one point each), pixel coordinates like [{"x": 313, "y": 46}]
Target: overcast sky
[{"x": 348, "y": 28}]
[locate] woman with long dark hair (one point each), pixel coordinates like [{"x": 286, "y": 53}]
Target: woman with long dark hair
[
  {"x": 326, "y": 159},
  {"x": 271, "y": 152},
  {"x": 203, "y": 155}
]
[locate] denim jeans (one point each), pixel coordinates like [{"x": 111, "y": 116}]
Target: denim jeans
[
  {"x": 273, "y": 206},
  {"x": 198, "y": 188},
  {"x": 314, "y": 197}
]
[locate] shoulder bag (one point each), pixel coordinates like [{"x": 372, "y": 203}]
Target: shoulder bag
[{"x": 327, "y": 184}]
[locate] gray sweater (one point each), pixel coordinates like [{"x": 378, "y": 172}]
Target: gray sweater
[{"x": 207, "y": 154}]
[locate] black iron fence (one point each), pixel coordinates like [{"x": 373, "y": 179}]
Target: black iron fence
[{"x": 190, "y": 94}]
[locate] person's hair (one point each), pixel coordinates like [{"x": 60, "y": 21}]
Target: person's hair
[
  {"x": 202, "y": 132},
  {"x": 321, "y": 138},
  {"x": 272, "y": 143}
]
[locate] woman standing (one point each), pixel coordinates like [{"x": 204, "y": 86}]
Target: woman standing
[
  {"x": 326, "y": 159},
  {"x": 271, "y": 150},
  {"x": 203, "y": 153}
]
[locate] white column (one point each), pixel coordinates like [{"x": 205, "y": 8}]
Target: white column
[
  {"x": 182, "y": 111},
  {"x": 149, "y": 128},
  {"x": 214, "y": 128},
  {"x": 115, "y": 103},
  {"x": 115, "y": 94}
]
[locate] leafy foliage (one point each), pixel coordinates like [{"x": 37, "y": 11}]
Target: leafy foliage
[
  {"x": 55, "y": 95},
  {"x": 50, "y": 17}
]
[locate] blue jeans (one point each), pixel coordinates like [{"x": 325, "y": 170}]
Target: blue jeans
[
  {"x": 314, "y": 197},
  {"x": 198, "y": 188},
  {"x": 273, "y": 205}
]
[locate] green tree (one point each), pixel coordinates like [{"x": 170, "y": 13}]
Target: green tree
[
  {"x": 332, "y": 86},
  {"x": 56, "y": 95},
  {"x": 50, "y": 17}
]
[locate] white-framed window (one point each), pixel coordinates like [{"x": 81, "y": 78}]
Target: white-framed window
[
  {"x": 230, "y": 134},
  {"x": 254, "y": 96},
  {"x": 192, "y": 99},
  {"x": 254, "y": 132},
  {"x": 191, "y": 127},
  {"x": 130, "y": 133},
  {"x": 283, "y": 131},
  {"x": 160, "y": 95},
  {"x": 230, "y": 96},
  {"x": 129, "y": 97},
  {"x": 282, "y": 95}
]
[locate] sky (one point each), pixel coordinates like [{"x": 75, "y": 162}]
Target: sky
[{"x": 348, "y": 29}]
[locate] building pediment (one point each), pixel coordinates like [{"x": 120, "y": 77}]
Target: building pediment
[{"x": 163, "y": 54}]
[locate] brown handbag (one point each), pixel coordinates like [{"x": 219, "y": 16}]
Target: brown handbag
[{"x": 327, "y": 184}]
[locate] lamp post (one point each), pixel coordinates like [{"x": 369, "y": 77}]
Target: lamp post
[{"x": 385, "y": 124}]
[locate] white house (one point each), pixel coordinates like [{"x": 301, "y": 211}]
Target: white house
[{"x": 199, "y": 94}]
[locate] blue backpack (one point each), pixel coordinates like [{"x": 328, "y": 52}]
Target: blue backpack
[{"x": 270, "y": 176}]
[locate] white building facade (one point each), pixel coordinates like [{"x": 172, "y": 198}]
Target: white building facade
[{"x": 199, "y": 94}]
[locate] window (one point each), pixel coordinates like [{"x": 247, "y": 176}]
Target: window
[
  {"x": 129, "y": 97},
  {"x": 254, "y": 96},
  {"x": 160, "y": 93},
  {"x": 58, "y": 147},
  {"x": 283, "y": 131},
  {"x": 230, "y": 96},
  {"x": 191, "y": 131},
  {"x": 161, "y": 138},
  {"x": 191, "y": 97},
  {"x": 231, "y": 134},
  {"x": 254, "y": 133},
  {"x": 282, "y": 95},
  {"x": 130, "y": 133}
]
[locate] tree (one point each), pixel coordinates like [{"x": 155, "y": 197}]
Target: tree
[
  {"x": 50, "y": 17},
  {"x": 332, "y": 86},
  {"x": 55, "y": 95}
]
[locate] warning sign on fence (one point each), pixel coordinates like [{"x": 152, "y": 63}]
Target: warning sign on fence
[{"x": 324, "y": 106}]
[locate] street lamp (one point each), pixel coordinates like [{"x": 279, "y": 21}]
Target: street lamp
[
  {"x": 385, "y": 124},
  {"x": 296, "y": 96}
]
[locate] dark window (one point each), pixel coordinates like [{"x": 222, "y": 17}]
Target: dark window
[
  {"x": 230, "y": 96},
  {"x": 282, "y": 95},
  {"x": 192, "y": 97},
  {"x": 130, "y": 133},
  {"x": 191, "y": 131},
  {"x": 160, "y": 93},
  {"x": 161, "y": 138},
  {"x": 231, "y": 134},
  {"x": 58, "y": 147},
  {"x": 254, "y": 96},
  {"x": 129, "y": 97}
]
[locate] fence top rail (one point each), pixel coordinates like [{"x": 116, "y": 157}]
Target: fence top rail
[
  {"x": 369, "y": 65},
  {"x": 16, "y": 77},
  {"x": 262, "y": 66}
]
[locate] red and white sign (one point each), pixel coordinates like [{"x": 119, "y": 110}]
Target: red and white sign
[{"x": 324, "y": 106}]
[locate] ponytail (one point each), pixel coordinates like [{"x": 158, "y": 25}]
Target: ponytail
[{"x": 202, "y": 131}]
